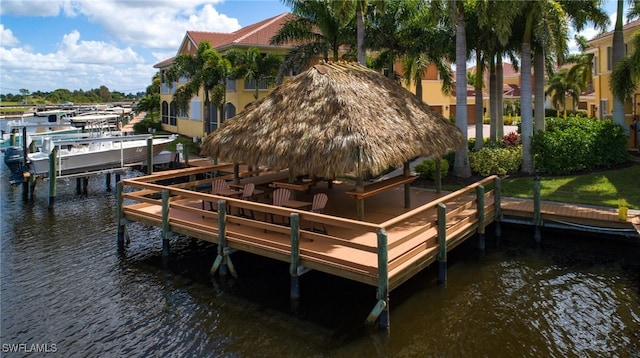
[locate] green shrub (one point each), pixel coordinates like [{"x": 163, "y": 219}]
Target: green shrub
[
  {"x": 427, "y": 169},
  {"x": 572, "y": 144},
  {"x": 500, "y": 161},
  {"x": 146, "y": 123}
]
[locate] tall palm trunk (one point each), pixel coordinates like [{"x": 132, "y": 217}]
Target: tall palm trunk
[
  {"x": 538, "y": 72},
  {"x": 493, "y": 96},
  {"x": 617, "y": 54},
  {"x": 461, "y": 166},
  {"x": 479, "y": 109},
  {"x": 360, "y": 21},
  {"x": 499, "y": 96},
  {"x": 525, "y": 103}
]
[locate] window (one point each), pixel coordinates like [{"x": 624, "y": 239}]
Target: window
[
  {"x": 172, "y": 114},
  {"x": 165, "y": 112},
  {"x": 595, "y": 66},
  {"x": 231, "y": 85},
  {"x": 604, "y": 108},
  {"x": 251, "y": 84},
  {"x": 609, "y": 58}
]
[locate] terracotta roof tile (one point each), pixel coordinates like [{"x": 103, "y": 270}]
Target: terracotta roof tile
[{"x": 258, "y": 34}]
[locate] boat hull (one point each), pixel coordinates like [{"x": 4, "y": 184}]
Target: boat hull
[{"x": 96, "y": 156}]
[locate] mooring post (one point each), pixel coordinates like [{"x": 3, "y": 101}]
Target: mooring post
[
  {"x": 537, "y": 216},
  {"x": 108, "y": 181},
  {"x": 78, "y": 185},
  {"x": 149, "y": 156},
  {"x": 32, "y": 187},
  {"x": 480, "y": 206},
  {"x": 497, "y": 200},
  {"x": 295, "y": 256},
  {"x": 186, "y": 155},
  {"x": 442, "y": 242},
  {"x": 381, "y": 309},
  {"x": 119, "y": 215},
  {"x": 85, "y": 185},
  {"x": 223, "y": 261},
  {"x": 165, "y": 223},
  {"x": 53, "y": 172},
  {"x": 118, "y": 177}
]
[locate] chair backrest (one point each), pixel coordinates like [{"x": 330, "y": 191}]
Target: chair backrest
[
  {"x": 319, "y": 202},
  {"x": 280, "y": 196},
  {"x": 218, "y": 186},
  {"x": 247, "y": 190}
]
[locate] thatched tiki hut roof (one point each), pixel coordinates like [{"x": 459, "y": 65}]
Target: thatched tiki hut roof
[{"x": 333, "y": 119}]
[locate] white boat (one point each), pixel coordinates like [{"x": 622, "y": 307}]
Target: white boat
[
  {"x": 93, "y": 154},
  {"x": 35, "y": 131}
]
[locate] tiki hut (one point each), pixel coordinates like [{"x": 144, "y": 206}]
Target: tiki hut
[{"x": 334, "y": 119}]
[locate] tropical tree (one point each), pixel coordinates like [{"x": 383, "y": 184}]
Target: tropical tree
[
  {"x": 625, "y": 78},
  {"x": 626, "y": 69},
  {"x": 320, "y": 27},
  {"x": 461, "y": 166},
  {"x": 204, "y": 74},
  {"x": 149, "y": 103},
  {"x": 252, "y": 65},
  {"x": 561, "y": 85}
]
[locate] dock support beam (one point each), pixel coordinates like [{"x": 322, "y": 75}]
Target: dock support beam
[
  {"x": 107, "y": 180},
  {"x": 480, "y": 207},
  {"x": 53, "y": 171},
  {"x": 497, "y": 195},
  {"x": 165, "y": 223},
  {"x": 295, "y": 257},
  {"x": 150, "y": 156},
  {"x": 223, "y": 260},
  {"x": 119, "y": 216},
  {"x": 537, "y": 216},
  {"x": 381, "y": 309},
  {"x": 442, "y": 243}
]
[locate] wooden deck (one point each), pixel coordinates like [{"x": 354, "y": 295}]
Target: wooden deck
[{"x": 389, "y": 246}]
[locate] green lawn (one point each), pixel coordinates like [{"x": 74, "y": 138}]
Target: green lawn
[{"x": 603, "y": 188}]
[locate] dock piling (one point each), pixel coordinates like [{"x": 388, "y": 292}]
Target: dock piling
[
  {"x": 481, "y": 218},
  {"x": 119, "y": 216},
  {"x": 223, "y": 260},
  {"x": 150, "y": 156},
  {"x": 497, "y": 195},
  {"x": 108, "y": 181},
  {"x": 53, "y": 171},
  {"x": 381, "y": 309},
  {"x": 165, "y": 223},
  {"x": 537, "y": 216},
  {"x": 295, "y": 256},
  {"x": 442, "y": 243}
]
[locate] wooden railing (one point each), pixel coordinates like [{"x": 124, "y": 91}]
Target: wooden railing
[{"x": 384, "y": 255}]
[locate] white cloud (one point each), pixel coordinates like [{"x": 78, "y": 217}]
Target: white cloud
[
  {"x": 6, "y": 37},
  {"x": 31, "y": 7},
  {"x": 137, "y": 34},
  {"x": 76, "y": 65},
  {"x": 161, "y": 26}
]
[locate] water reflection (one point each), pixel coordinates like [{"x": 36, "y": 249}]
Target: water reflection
[{"x": 64, "y": 282}]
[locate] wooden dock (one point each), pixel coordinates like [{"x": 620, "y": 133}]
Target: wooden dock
[{"x": 389, "y": 246}]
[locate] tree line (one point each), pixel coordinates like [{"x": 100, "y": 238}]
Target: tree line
[{"x": 61, "y": 95}]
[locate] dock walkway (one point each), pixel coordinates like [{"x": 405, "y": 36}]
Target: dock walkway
[{"x": 389, "y": 246}]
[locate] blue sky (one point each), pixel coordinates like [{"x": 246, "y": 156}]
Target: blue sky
[{"x": 84, "y": 44}]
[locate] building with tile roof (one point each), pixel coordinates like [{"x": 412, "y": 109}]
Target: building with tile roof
[{"x": 600, "y": 104}]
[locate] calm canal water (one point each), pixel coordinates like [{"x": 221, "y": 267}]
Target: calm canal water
[{"x": 66, "y": 288}]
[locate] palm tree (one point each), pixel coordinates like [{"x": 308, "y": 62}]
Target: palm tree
[
  {"x": 461, "y": 166},
  {"x": 561, "y": 85},
  {"x": 251, "y": 65},
  {"x": 203, "y": 73},
  {"x": 319, "y": 26},
  {"x": 149, "y": 103},
  {"x": 626, "y": 69}
]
